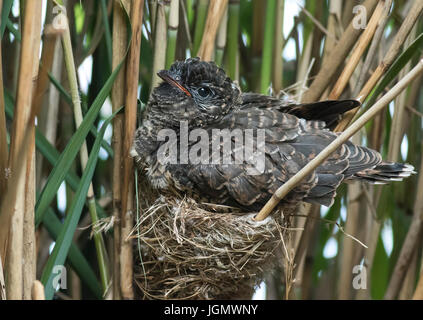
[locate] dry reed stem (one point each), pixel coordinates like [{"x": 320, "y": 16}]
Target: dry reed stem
[
  {"x": 2, "y": 283},
  {"x": 126, "y": 250},
  {"x": 304, "y": 238},
  {"x": 387, "y": 61},
  {"x": 410, "y": 243},
  {"x": 21, "y": 139},
  {"x": 277, "y": 75},
  {"x": 214, "y": 16},
  {"x": 393, "y": 150},
  {"x": 29, "y": 264},
  {"x": 418, "y": 294},
  {"x": 312, "y": 214},
  {"x": 304, "y": 68},
  {"x": 174, "y": 15},
  {"x": 172, "y": 32},
  {"x": 48, "y": 120},
  {"x": 185, "y": 24},
  {"x": 396, "y": 133},
  {"x": 120, "y": 44},
  {"x": 40, "y": 88},
  {"x": 159, "y": 59},
  {"x": 369, "y": 213},
  {"x": 371, "y": 53},
  {"x": 317, "y": 23},
  {"x": 342, "y": 138},
  {"x": 37, "y": 291},
  {"x": 354, "y": 193},
  {"x": 407, "y": 287},
  {"x": 127, "y": 188},
  {"x": 152, "y": 6},
  {"x": 333, "y": 27},
  {"x": 336, "y": 58},
  {"x": 355, "y": 57},
  {"x": 222, "y": 32},
  {"x": 4, "y": 150}
]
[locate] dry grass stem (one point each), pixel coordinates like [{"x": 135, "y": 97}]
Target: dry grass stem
[
  {"x": 410, "y": 243},
  {"x": 215, "y": 13},
  {"x": 222, "y": 32},
  {"x": 159, "y": 59},
  {"x": 39, "y": 89},
  {"x": 318, "y": 24},
  {"x": 12, "y": 218},
  {"x": 354, "y": 194},
  {"x": 396, "y": 134},
  {"x": 127, "y": 188},
  {"x": 4, "y": 150},
  {"x": 360, "y": 47},
  {"x": 277, "y": 77},
  {"x": 2, "y": 283},
  {"x": 336, "y": 58},
  {"x": 387, "y": 61},
  {"x": 371, "y": 53},
  {"x": 37, "y": 291},
  {"x": 418, "y": 294},
  {"x": 118, "y": 99}
]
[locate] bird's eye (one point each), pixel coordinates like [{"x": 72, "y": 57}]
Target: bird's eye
[{"x": 204, "y": 92}]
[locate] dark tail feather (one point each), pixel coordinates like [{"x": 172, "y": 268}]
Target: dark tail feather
[
  {"x": 386, "y": 172},
  {"x": 328, "y": 111}
]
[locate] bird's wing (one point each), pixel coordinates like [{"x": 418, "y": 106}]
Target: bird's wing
[
  {"x": 329, "y": 111},
  {"x": 290, "y": 143}
]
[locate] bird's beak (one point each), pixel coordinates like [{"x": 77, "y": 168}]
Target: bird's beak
[{"x": 164, "y": 74}]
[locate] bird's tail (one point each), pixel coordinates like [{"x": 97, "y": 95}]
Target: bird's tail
[
  {"x": 385, "y": 172},
  {"x": 328, "y": 111}
]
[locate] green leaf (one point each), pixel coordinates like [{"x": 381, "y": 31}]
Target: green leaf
[
  {"x": 65, "y": 237},
  {"x": 75, "y": 257},
  {"x": 5, "y": 11},
  {"x": 13, "y": 30},
  {"x": 66, "y": 159},
  {"x": 66, "y": 96}
]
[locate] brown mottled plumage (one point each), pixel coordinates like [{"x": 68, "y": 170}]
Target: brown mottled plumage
[{"x": 200, "y": 93}]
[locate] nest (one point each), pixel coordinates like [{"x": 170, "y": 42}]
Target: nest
[{"x": 191, "y": 250}]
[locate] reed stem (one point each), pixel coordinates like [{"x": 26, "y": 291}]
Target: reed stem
[
  {"x": 266, "y": 62},
  {"x": 232, "y": 41},
  {"x": 172, "y": 32}
]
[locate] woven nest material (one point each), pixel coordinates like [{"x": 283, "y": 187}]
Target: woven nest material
[{"x": 187, "y": 250}]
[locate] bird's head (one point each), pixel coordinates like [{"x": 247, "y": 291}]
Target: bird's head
[{"x": 195, "y": 91}]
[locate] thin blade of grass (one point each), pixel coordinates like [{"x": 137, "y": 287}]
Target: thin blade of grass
[{"x": 75, "y": 257}]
